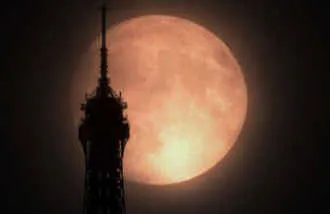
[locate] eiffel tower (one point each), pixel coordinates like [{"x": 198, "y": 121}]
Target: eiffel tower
[{"x": 103, "y": 133}]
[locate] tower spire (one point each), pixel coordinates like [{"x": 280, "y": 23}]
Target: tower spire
[
  {"x": 104, "y": 88},
  {"x": 104, "y": 50}
]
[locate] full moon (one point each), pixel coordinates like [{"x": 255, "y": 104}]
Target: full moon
[{"x": 186, "y": 95}]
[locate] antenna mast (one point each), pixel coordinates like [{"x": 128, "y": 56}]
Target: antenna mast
[{"x": 104, "y": 89}]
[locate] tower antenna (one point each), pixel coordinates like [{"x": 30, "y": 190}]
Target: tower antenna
[
  {"x": 104, "y": 50},
  {"x": 104, "y": 89}
]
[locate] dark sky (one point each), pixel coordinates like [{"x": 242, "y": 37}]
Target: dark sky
[{"x": 277, "y": 165}]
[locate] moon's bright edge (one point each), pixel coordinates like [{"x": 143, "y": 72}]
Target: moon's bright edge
[{"x": 186, "y": 95}]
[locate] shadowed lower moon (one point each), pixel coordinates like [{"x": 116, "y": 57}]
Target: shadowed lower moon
[{"x": 187, "y": 99}]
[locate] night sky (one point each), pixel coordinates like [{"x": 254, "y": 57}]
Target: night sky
[{"x": 278, "y": 163}]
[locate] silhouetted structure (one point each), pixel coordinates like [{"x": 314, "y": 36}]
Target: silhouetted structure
[{"x": 103, "y": 133}]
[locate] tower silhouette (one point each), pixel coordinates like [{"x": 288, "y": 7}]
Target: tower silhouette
[{"x": 103, "y": 133}]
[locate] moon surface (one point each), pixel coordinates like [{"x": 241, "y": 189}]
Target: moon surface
[{"x": 186, "y": 95}]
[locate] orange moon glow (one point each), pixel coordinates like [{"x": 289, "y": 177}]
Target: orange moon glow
[{"x": 186, "y": 95}]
